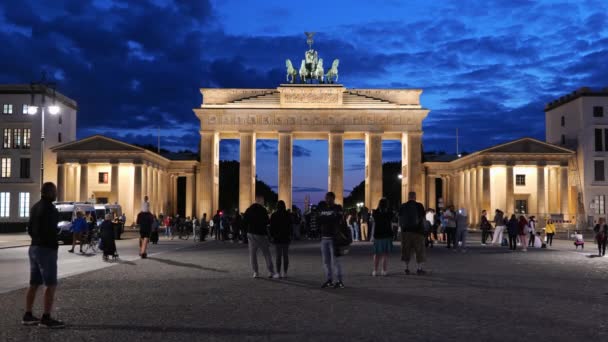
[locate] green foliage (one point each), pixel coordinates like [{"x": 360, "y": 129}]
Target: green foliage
[
  {"x": 229, "y": 188},
  {"x": 391, "y": 187}
]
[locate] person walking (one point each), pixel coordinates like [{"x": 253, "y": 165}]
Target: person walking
[
  {"x": 256, "y": 219},
  {"x": 499, "y": 223},
  {"x": 351, "y": 219},
  {"x": 428, "y": 227},
  {"x": 450, "y": 226},
  {"x": 42, "y": 228},
  {"x": 383, "y": 236},
  {"x": 513, "y": 231},
  {"x": 550, "y": 232},
  {"x": 145, "y": 220},
  {"x": 601, "y": 236},
  {"x": 329, "y": 217},
  {"x": 411, "y": 217},
  {"x": 79, "y": 230},
  {"x": 486, "y": 227},
  {"x": 523, "y": 231},
  {"x": 532, "y": 230},
  {"x": 108, "y": 243},
  {"x": 462, "y": 229},
  {"x": 281, "y": 233},
  {"x": 216, "y": 225}
]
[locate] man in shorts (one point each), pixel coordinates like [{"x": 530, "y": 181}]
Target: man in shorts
[
  {"x": 42, "y": 227},
  {"x": 411, "y": 220}
]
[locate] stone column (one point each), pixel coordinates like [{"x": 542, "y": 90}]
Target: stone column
[
  {"x": 563, "y": 191},
  {"x": 510, "y": 208},
  {"x": 466, "y": 193},
  {"x": 486, "y": 192},
  {"x": 84, "y": 181},
  {"x": 149, "y": 183},
  {"x": 444, "y": 190},
  {"x": 432, "y": 197},
  {"x": 474, "y": 212},
  {"x": 335, "y": 182},
  {"x": 411, "y": 162},
  {"x": 247, "y": 171},
  {"x": 61, "y": 182},
  {"x": 137, "y": 189},
  {"x": 373, "y": 169},
  {"x": 209, "y": 173},
  {"x": 541, "y": 206},
  {"x": 114, "y": 181},
  {"x": 174, "y": 190},
  {"x": 285, "y": 168},
  {"x": 553, "y": 192},
  {"x": 189, "y": 195}
]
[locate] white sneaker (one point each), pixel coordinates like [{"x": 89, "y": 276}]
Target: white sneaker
[
  {"x": 374, "y": 273},
  {"x": 483, "y": 244},
  {"x": 255, "y": 275},
  {"x": 384, "y": 274},
  {"x": 275, "y": 276}
]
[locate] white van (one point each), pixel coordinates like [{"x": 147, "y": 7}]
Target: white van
[{"x": 67, "y": 214}]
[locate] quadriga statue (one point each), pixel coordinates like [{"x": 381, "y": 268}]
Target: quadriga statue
[
  {"x": 332, "y": 73},
  {"x": 291, "y": 71}
]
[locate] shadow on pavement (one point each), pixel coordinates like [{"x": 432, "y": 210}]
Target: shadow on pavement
[
  {"x": 188, "y": 265},
  {"x": 184, "y": 329}
]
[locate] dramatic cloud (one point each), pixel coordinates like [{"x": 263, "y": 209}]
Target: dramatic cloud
[{"x": 487, "y": 68}]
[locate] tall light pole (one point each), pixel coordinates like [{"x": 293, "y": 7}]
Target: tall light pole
[{"x": 33, "y": 109}]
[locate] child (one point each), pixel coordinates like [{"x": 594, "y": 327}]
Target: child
[{"x": 538, "y": 242}]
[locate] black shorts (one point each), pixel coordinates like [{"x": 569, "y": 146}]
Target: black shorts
[{"x": 145, "y": 233}]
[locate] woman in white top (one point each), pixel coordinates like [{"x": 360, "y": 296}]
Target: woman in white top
[{"x": 532, "y": 230}]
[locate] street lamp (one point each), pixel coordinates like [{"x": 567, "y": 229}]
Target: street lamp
[
  {"x": 400, "y": 176},
  {"x": 53, "y": 109}
]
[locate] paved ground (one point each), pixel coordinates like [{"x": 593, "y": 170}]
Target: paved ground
[{"x": 204, "y": 293}]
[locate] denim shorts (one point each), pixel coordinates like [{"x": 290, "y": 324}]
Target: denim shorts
[{"x": 43, "y": 266}]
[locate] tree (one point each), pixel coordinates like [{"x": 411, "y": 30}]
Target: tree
[
  {"x": 229, "y": 187},
  {"x": 391, "y": 187}
]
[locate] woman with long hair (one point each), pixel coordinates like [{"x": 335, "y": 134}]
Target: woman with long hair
[
  {"x": 550, "y": 232},
  {"x": 383, "y": 236},
  {"x": 523, "y": 229},
  {"x": 513, "y": 231}
]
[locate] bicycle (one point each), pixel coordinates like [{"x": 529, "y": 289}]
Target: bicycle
[{"x": 92, "y": 242}]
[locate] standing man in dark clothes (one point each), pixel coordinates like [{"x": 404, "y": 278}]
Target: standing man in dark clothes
[
  {"x": 145, "y": 220},
  {"x": 236, "y": 226},
  {"x": 42, "y": 227},
  {"x": 281, "y": 232},
  {"x": 329, "y": 218},
  {"x": 256, "y": 219},
  {"x": 411, "y": 220},
  {"x": 216, "y": 224}
]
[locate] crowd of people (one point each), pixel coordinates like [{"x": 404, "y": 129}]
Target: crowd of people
[{"x": 416, "y": 228}]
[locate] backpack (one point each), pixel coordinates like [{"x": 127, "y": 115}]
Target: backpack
[{"x": 408, "y": 216}]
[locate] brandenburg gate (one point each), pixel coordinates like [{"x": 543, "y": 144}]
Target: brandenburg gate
[{"x": 309, "y": 111}]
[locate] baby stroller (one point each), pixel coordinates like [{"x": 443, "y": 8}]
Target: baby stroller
[{"x": 578, "y": 240}]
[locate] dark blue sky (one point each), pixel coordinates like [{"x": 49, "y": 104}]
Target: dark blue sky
[{"x": 486, "y": 68}]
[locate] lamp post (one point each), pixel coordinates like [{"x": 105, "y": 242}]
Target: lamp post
[{"x": 53, "y": 109}]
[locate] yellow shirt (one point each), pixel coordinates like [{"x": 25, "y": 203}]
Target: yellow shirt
[{"x": 550, "y": 228}]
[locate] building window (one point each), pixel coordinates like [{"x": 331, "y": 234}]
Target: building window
[
  {"x": 24, "y": 204},
  {"x": 599, "y": 171},
  {"x": 24, "y": 170},
  {"x": 17, "y": 138},
  {"x": 521, "y": 206},
  {"x": 6, "y": 168},
  {"x": 520, "y": 180},
  {"x": 5, "y": 204},
  {"x": 563, "y": 139},
  {"x": 598, "y": 112},
  {"x": 26, "y": 109},
  {"x": 59, "y": 137},
  {"x": 27, "y": 138},
  {"x": 600, "y": 204},
  {"x": 7, "y": 109},
  {"x": 563, "y": 121},
  {"x": 103, "y": 178},
  {"x": 599, "y": 145},
  {"x": 8, "y": 138}
]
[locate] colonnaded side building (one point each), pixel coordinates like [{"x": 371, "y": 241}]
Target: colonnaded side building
[{"x": 525, "y": 176}]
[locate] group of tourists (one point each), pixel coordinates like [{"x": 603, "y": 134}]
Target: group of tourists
[{"x": 336, "y": 237}]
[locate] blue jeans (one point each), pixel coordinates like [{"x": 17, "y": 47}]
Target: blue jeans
[
  {"x": 354, "y": 231},
  {"x": 330, "y": 261},
  {"x": 43, "y": 266}
]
